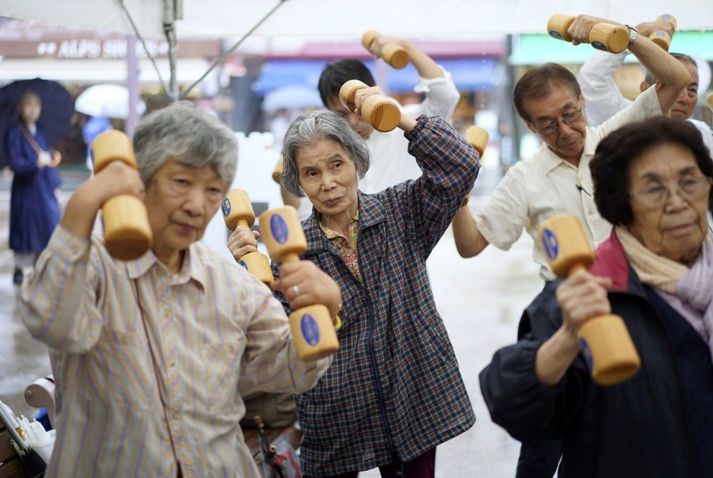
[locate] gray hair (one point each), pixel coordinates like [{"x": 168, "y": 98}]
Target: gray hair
[
  {"x": 315, "y": 126},
  {"x": 188, "y": 135}
]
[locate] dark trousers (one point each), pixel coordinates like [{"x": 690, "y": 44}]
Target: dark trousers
[
  {"x": 423, "y": 466},
  {"x": 539, "y": 461}
]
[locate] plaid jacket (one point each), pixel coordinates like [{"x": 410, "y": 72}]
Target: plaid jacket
[{"x": 394, "y": 385}]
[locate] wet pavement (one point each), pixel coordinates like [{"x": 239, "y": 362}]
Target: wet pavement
[{"x": 480, "y": 299}]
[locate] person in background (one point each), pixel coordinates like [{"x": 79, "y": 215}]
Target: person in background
[
  {"x": 151, "y": 356},
  {"x": 604, "y": 99},
  {"x": 557, "y": 178},
  {"x": 652, "y": 181},
  {"x": 391, "y": 161},
  {"x": 34, "y": 207}
]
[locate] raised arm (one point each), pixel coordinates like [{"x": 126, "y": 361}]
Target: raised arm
[
  {"x": 60, "y": 297},
  {"x": 599, "y": 88},
  {"x": 672, "y": 76},
  {"x": 469, "y": 241}
]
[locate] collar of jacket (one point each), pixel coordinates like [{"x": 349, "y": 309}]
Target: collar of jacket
[
  {"x": 610, "y": 261},
  {"x": 371, "y": 213}
]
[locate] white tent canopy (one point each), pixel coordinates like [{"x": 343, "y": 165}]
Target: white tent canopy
[{"x": 342, "y": 19}]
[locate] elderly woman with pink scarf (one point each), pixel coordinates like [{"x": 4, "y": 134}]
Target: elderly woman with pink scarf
[{"x": 652, "y": 181}]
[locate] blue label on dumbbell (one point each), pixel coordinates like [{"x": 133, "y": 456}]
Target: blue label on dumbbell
[
  {"x": 310, "y": 331},
  {"x": 278, "y": 227},
  {"x": 242, "y": 263},
  {"x": 555, "y": 35},
  {"x": 226, "y": 207},
  {"x": 587, "y": 353},
  {"x": 549, "y": 240},
  {"x": 599, "y": 45}
]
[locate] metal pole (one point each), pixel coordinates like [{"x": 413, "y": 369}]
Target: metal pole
[
  {"x": 132, "y": 84},
  {"x": 172, "y": 11}
]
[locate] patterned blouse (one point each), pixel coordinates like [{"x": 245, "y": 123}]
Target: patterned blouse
[{"x": 347, "y": 247}]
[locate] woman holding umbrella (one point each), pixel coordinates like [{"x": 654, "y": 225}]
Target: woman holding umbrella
[{"x": 34, "y": 208}]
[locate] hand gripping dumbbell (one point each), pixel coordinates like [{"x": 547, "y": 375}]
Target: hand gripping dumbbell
[
  {"x": 238, "y": 211},
  {"x": 391, "y": 53},
  {"x": 605, "y": 341},
  {"x": 660, "y": 37},
  {"x": 478, "y": 138},
  {"x": 604, "y": 36},
  {"x": 382, "y": 112},
  {"x": 312, "y": 327},
  {"x": 127, "y": 234}
]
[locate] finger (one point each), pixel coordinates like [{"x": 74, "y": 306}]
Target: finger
[{"x": 605, "y": 282}]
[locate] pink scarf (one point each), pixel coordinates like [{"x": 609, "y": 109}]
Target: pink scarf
[
  {"x": 688, "y": 290},
  {"x": 695, "y": 289}
]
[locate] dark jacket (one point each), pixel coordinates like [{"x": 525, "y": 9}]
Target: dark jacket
[
  {"x": 34, "y": 209},
  {"x": 634, "y": 429},
  {"x": 394, "y": 385}
]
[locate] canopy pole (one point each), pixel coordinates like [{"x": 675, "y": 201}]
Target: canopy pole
[
  {"x": 230, "y": 50},
  {"x": 172, "y": 11},
  {"x": 132, "y": 85}
]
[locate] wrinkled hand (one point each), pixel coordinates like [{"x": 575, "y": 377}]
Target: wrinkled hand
[
  {"x": 242, "y": 241},
  {"x": 582, "y": 297},
  {"x": 304, "y": 284},
  {"x": 582, "y": 26},
  {"x": 647, "y": 28},
  {"x": 115, "y": 179},
  {"x": 362, "y": 94}
]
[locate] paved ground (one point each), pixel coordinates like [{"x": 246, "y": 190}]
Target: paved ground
[{"x": 480, "y": 300}]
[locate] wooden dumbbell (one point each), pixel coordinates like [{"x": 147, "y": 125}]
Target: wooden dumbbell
[
  {"x": 604, "y": 36},
  {"x": 660, "y": 37},
  {"x": 311, "y": 327},
  {"x": 478, "y": 138},
  {"x": 238, "y": 211},
  {"x": 381, "y": 112},
  {"x": 127, "y": 234},
  {"x": 605, "y": 341},
  {"x": 391, "y": 53},
  {"x": 277, "y": 172}
]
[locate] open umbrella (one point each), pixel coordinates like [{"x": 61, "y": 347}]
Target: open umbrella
[
  {"x": 57, "y": 109},
  {"x": 107, "y": 100}
]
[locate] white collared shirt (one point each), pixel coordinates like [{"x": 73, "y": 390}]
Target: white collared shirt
[{"x": 535, "y": 189}]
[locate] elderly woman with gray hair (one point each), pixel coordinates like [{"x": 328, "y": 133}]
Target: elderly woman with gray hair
[
  {"x": 394, "y": 391},
  {"x": 149, "y": 354},
  {"x": 652, "y": 181}
]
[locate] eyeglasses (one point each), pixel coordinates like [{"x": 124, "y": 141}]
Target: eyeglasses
[
  {"x": 689, "y": 188},
  {"x": 568, "y": 117}
]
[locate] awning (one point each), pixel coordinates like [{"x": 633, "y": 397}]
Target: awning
[
  {"x": 468, "y": 74},
  {"x": 96, "y": 71},
  {"x": 536, "y": 49}
]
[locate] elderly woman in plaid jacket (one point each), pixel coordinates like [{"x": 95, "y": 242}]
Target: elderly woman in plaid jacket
[{"x": 394, "y": 390}]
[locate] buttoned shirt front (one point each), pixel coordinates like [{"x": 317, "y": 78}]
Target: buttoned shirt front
[
  {"x": 535, "y": 189},
  {"x": 150, "y": 365},
  {"x": 347, "y": 247}
]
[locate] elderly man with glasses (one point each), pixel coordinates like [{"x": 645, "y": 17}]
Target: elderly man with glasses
[{"x": 557, "y": 178}]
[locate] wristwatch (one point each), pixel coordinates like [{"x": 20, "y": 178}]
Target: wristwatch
[{"x": 632, "y": 35}]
